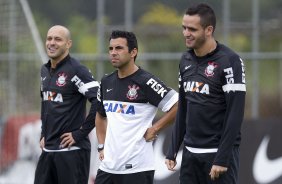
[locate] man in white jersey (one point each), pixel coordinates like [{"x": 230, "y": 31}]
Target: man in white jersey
[{"x": 129, "y": 99}]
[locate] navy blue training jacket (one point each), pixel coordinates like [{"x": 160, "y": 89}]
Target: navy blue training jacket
[
  {"x": 211, "y": 103},
  {"x": 64, "y": 92}
]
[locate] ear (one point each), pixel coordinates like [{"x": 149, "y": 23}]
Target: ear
[
  {"x": 134, "y": 52},
  {"x": 209, "y": 30},
  {"x": 69, "y": 44}
]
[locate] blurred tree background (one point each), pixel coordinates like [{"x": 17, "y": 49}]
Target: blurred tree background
[{"x": 157, "y": 24}]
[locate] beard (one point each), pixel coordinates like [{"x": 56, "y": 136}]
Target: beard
[
  {"x": 198, "y": 42},
  {"x": 57, "y": 54}
]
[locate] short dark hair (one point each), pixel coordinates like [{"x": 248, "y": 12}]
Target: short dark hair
[
  {"x": 129, "y": 36},
  {"x": 205, "y": 12}
]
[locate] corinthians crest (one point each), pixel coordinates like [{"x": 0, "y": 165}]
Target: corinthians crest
[
  {"x": 61, "y": 81},
  {"x": 209, "y": 71},
  {"x": 132, "y": 92}
]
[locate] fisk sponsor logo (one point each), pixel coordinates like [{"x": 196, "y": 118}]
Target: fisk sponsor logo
[
  {"x": 156, "y": 87},
  {"x": 119, "y": 108},
  {"x": 198, "y": 87},
  {"x": 99, "y": 94},
  {"x": 82, "y": 87},
  {"x": 243, "y": 71},
  {"x": 229, "y": 75},
  {"x": 52, "y": 96},
  {"x": 77, "y": 81}
]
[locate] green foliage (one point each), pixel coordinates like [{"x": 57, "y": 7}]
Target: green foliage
[
  {"x": 43, "y": 24},
  {"x": 159, "y": 28},
  {"x": 160, "y": 14},
  {"x": 87, "y": 44},
  {"x": 271, "y": 43},
  {"x": 240, "y": 42},
  {"x": 159, "y": 31},
  {"x": 83, "y": 34},
  {"x": 157, "y": 25}
]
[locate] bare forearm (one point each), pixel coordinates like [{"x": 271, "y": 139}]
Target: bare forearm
[
  {"x": 101, "y": 127},
  {"x": 166, "y": 119}
]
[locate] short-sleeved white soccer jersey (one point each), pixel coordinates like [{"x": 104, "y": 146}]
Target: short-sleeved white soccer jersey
[{"x": 130, "y": 105}]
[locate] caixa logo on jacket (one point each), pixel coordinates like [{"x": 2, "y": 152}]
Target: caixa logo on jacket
[
  {"x": 52, "y": 96},
  {"x": 198, "y": 87}
]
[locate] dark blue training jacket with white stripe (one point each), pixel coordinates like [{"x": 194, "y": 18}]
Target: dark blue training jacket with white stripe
[
  {"x": 211, "y": 103},
  {"x": 64, "y": 92}
]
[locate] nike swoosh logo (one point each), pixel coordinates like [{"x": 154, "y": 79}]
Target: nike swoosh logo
[
  {"x": 264, "y": 169},
  {"x": 187, "y": 67},
  {"x": 108, "y": 90}
]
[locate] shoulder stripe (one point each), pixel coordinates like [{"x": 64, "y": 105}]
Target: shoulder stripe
[
  {"x": 84, "y": 88},
  {"x": 234, "y": 87},
  {"x": 168, "y": 101}
]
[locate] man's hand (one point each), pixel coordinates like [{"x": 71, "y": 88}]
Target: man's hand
[
  {"x": 150, "y": 134},
  {"x": 216, "y": 171},
  {"x": 67, "y": 140},
  {"x": 170, "y": 164},
  {"x": 42, "y": 143},
  {"x": 101, "y": 155}
]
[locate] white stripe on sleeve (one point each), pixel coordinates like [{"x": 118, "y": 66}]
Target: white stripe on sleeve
[
  {"x": 234, "y": 87},
  {"x": 84, "y": 88}
]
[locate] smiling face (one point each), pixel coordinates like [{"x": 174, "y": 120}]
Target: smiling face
[
  {"x": 197, "y": 36},
  {"x": 193, "y": 32},
  {"x": 58, "y": 43}
]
